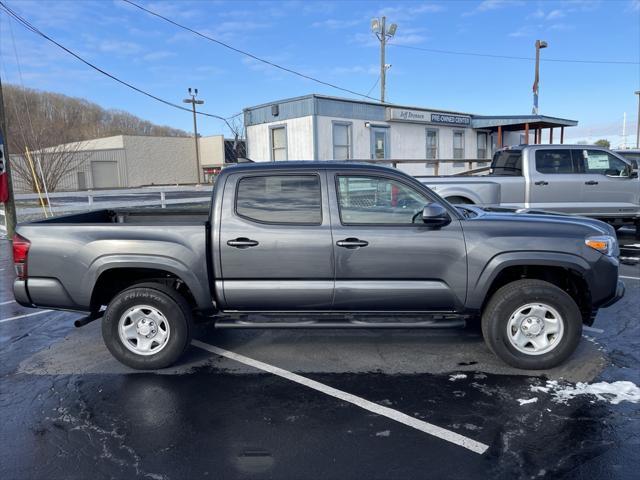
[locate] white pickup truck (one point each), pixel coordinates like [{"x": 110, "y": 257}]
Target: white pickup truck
[{"x": 584, "y": 180}]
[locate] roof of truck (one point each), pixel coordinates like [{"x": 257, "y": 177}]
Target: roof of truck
[{"x": 307, "y": 164}]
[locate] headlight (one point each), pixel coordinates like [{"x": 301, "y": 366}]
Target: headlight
[{"x": 603, "y": 243}]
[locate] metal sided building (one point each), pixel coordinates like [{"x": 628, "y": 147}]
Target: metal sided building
[{"x": 319, "y": 127}]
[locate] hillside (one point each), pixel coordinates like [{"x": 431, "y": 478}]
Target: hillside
[{"x": 39, "y": 119}]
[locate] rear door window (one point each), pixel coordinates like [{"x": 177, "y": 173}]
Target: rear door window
[
  {"x": 551, "y": 162},
  {"x": 280, "y": 199}
]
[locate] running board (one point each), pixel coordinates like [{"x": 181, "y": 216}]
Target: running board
[{"x": 449, "y": 323}]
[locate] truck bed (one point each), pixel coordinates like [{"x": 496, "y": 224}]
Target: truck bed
[{"x": 144, "y": 216}]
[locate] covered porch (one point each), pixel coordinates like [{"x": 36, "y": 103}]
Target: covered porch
[{"x": 527, "y": 124}]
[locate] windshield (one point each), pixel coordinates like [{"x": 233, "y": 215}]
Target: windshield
[
  {"x": 507, "y": 162},
  {"x": 633, "y": 157}
]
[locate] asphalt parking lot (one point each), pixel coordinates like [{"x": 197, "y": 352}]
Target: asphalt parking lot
[{"x": 315, "y": 404}]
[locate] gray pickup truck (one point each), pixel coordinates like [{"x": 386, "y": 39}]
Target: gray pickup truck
[
  {"x": 582, "y": 180},
  {"x": 300, "y": 238}
]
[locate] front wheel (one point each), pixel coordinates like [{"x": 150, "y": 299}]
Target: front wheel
[
  {"x": 532, "y": 324},
  {"x": 147, "y": 327}
]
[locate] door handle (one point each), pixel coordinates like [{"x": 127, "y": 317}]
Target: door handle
[
  {"x": 542, "y": 182},
  {"x": 351, "y": 243},
  {"x": 591, "y": 182},
  {"x": 242, "y": 242}
]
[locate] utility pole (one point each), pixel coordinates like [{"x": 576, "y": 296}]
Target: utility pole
[
  {"x": 379, "y": 28},
  {"x": 194, "y": 93},
  {"x": 540, "y": 44},
  {"x": 9, "y": 205},
  {"x": 638, "y": 121}
]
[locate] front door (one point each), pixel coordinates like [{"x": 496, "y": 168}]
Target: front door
[
  {"x": 607, "y": 186},
  {"x": 275, "y": 243},
  {"x": 379, "y": 143},
  {"x": 385, "y": 257}
]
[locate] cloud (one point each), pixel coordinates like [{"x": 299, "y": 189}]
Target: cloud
[
  {"x": 555, "y": 14},
  {"x": 356, "y": 69},
  {"x": 119, "y": 47},
  {"x": 489, "y": 5},
  {"x": 158, "y": 55},
  {"x": 335, "y": 24},
  {"x": 634, "y": 5},
  {"x": 404, "y": 36}
]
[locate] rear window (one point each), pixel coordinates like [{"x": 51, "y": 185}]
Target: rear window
[
  {"x": 507, "y": 162},
  {"x": 284, "y": 199}
]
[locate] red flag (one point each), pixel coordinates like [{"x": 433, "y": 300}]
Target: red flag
[{"x": 4, "y": 188}]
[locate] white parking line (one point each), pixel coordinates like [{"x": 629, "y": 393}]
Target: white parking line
[
  {"x": 7, "y": 303},
  {"x": 17, "y": 317},
  {"x": 425, "y": 427},
  {"x": 632, "y": 278}
]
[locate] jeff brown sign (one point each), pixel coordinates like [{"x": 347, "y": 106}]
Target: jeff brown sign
[{"x": 421, "y": 116}]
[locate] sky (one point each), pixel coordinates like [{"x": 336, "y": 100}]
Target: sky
[{"x": 332, "y": 41}]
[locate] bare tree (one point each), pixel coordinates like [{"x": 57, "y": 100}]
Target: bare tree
[{"x": 236, "y": 125}]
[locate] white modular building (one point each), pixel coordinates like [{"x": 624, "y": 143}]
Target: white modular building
[{"x": 319, "y": 127}]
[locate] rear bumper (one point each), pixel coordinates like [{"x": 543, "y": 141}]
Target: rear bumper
[
  {"x": 620, "y": 289},
  {"x": 20, "y": 293}
]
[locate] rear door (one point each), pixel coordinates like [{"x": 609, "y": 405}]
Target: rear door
[
  {"x": 386, "y": 260},
  {"x": 553, "y": 183},
  {"x": 607, "y": 188},
  {"x": 276, "y": 251}
]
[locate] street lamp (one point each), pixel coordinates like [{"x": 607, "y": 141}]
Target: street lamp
[
  {"x": 540, "y": 44},
  {"x": 378, "y": 27},
  {"x": 638, "y": 121},
  {"x": 194, "y": 93}
]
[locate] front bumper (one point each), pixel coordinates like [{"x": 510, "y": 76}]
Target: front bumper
[{"x": 620, "y": 289}]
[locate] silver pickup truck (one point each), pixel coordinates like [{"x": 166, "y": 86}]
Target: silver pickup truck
[
  {"x": 582, "y": 180},
  {"x": 322, "y": 238}
]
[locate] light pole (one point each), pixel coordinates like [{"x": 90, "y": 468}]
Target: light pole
[
  {"x": 193, "y": 93},
  {"x": 379, "y": 28},
  {"x": 638, "y": 121},
  {"x": 540, "y": 44}
]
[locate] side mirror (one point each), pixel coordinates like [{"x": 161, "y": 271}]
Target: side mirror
[{"x": 435, "y": 215}]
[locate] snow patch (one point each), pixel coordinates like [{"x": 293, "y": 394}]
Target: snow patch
[
  {"x": 457, "y": 376},
  {"x": 614, "y": 393},
  {"x": 525, "y": 401}
]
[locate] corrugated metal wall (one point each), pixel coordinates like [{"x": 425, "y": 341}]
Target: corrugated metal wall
[{"x": 72, "y": 179}]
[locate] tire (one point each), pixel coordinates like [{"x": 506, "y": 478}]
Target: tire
[
  {"x": 524, "y": 316},
  {"x": 147, "y": 326}
]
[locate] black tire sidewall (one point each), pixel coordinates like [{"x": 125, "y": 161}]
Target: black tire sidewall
[
  {"x": 171, "y": 307},
  {"x": 507, "y": 300}
]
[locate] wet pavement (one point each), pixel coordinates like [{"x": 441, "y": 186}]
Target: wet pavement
[{"x": 69, "y": 410}]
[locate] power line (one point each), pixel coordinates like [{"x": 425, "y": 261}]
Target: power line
[
  {"x": 35, "y": 30},
  {"x": 511, "y": 57},
  {"x": 243, "y": 52},
  {"x": 374, "y": 85}
]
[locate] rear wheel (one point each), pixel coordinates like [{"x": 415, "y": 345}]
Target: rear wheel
[
  {"x": 532, "y": 324},
  {"x": 147, "y": 326}
]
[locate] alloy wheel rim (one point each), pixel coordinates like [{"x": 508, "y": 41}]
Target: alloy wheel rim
[
  {"x": 144, "y": 330},
  {"x": 535, "y": 328}
]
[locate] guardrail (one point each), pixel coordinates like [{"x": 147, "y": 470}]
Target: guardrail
[{"x": 480, "y": 164}]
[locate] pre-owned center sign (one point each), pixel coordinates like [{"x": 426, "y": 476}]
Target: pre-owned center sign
[{"x": 424, "y": 116}]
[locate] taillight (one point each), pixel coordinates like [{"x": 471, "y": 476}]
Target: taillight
[{"x": 20, "y": 253}]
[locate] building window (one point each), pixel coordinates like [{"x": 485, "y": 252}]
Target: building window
[
  {"x": 482, "y": 145},
  {"x": 342, "y": 143},
  {"x": 432, "y": 144},
  {"x": 278, "y": 143},
  {"x": 458, "y": 144},
  {"x": 282, "y": 199}
]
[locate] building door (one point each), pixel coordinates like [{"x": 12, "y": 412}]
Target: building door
[
  {"x": 379, "y": 143},
  {"x": 386, "y": 258},
  {"x": 104, "y": 174}
]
